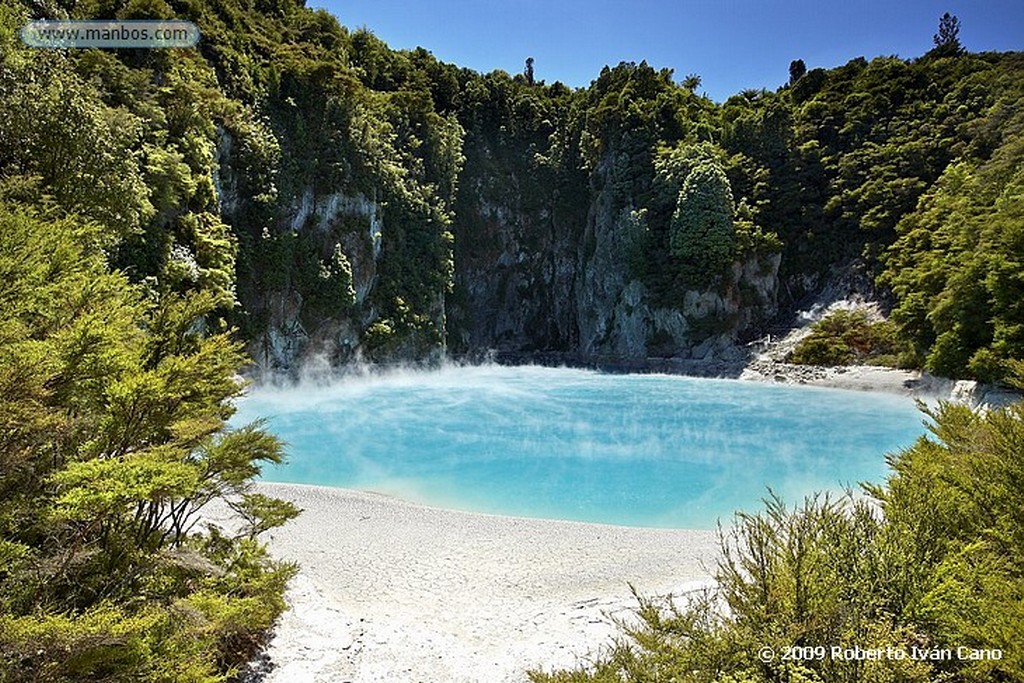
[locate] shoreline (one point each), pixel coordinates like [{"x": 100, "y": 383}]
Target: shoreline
[
  {"x": 395, "y": 591},
  {"x": 391, "y": 590},
  {"x": 765, "y": 367},
  {"x": 762, "y": 367},
  {"x": 912, "y": 383}
]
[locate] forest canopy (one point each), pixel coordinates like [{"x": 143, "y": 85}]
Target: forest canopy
[{"x": 289, "y": 164}]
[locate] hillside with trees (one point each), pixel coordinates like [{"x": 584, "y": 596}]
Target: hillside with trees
[{"x": 342, "y": 201}]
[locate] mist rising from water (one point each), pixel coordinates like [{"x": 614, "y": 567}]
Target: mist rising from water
[{"x": 649, "y": 450}]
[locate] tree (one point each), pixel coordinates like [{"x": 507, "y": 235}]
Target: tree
[
  {"x": 528, "y": 72},
  {"x": 797, "y": 69},
  {"x": 691, "y": 82},
  {"x": 702, "y": 234},
  {"x": 57, "y": 127},
  {"x": 946, "y": 40},
  {"x": 113, "y": 409},
  {"x": 955, "y": 269}
]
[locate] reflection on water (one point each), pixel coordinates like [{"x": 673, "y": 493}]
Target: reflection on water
[{"x": 646, "y": 450}]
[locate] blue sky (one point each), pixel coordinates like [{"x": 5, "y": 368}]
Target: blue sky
[{"x": 730, "y": 44}]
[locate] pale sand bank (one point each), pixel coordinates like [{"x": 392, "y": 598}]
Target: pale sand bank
[
  {"x": 854, "y": 377},
  {"x": 912, "y": 383},
  {"x": 398, "y": 592}
]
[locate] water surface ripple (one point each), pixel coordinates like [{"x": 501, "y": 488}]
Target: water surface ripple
[{"x": 642, "y": 450}]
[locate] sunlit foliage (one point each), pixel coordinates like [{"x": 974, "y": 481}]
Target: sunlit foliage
[
  {"x": 152, "y": 200},
  {"x": 112, "y": 440}
]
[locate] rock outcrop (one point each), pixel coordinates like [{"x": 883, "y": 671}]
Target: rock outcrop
[
  {"x": 532, "y": 280},
  {"x": 535, "y": 272}
]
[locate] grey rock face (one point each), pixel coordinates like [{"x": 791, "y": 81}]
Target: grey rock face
[
  {"x": 531, "y": 277},
  {"x": 295, "y": 336},
  {"x": 530, "y": 283}
]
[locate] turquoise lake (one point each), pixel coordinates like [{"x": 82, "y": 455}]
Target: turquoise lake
[{"x": 640, "y": 450}]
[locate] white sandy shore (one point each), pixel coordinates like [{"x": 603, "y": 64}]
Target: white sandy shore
[
  {"x": 913, "y": 383},
  {"x": 854, "y": 377},
  {"x": 398, "y": 592}
]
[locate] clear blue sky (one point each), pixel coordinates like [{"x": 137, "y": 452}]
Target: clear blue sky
[{"x": 730, "y": 44}]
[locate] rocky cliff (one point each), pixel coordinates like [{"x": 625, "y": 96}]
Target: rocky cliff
[
  {"x": 539, "y": 277},
  {"x": 527, "y": 279},
  {"x": 377, "y": 221},
  {"x": 346, "y": 230}
]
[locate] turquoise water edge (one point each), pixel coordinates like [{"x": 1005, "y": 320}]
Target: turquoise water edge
[{"x": 639, "y": 450}]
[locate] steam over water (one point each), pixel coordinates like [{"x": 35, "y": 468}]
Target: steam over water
[{"x": 645, "y": 450}]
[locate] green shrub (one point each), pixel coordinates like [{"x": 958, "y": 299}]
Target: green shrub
[
  {"x": 113, "y": 411},
  {"x": 849, "y": 338}
]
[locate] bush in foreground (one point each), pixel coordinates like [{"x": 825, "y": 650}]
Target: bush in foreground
[{"x": 112, "y": 439}]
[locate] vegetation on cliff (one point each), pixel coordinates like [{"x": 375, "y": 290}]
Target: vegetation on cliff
[
  {"x": 852, "y": 338},
  {"x": 381, "y": 202}
]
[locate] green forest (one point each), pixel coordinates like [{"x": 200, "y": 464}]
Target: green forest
[{"x": 168, "y": 218}]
